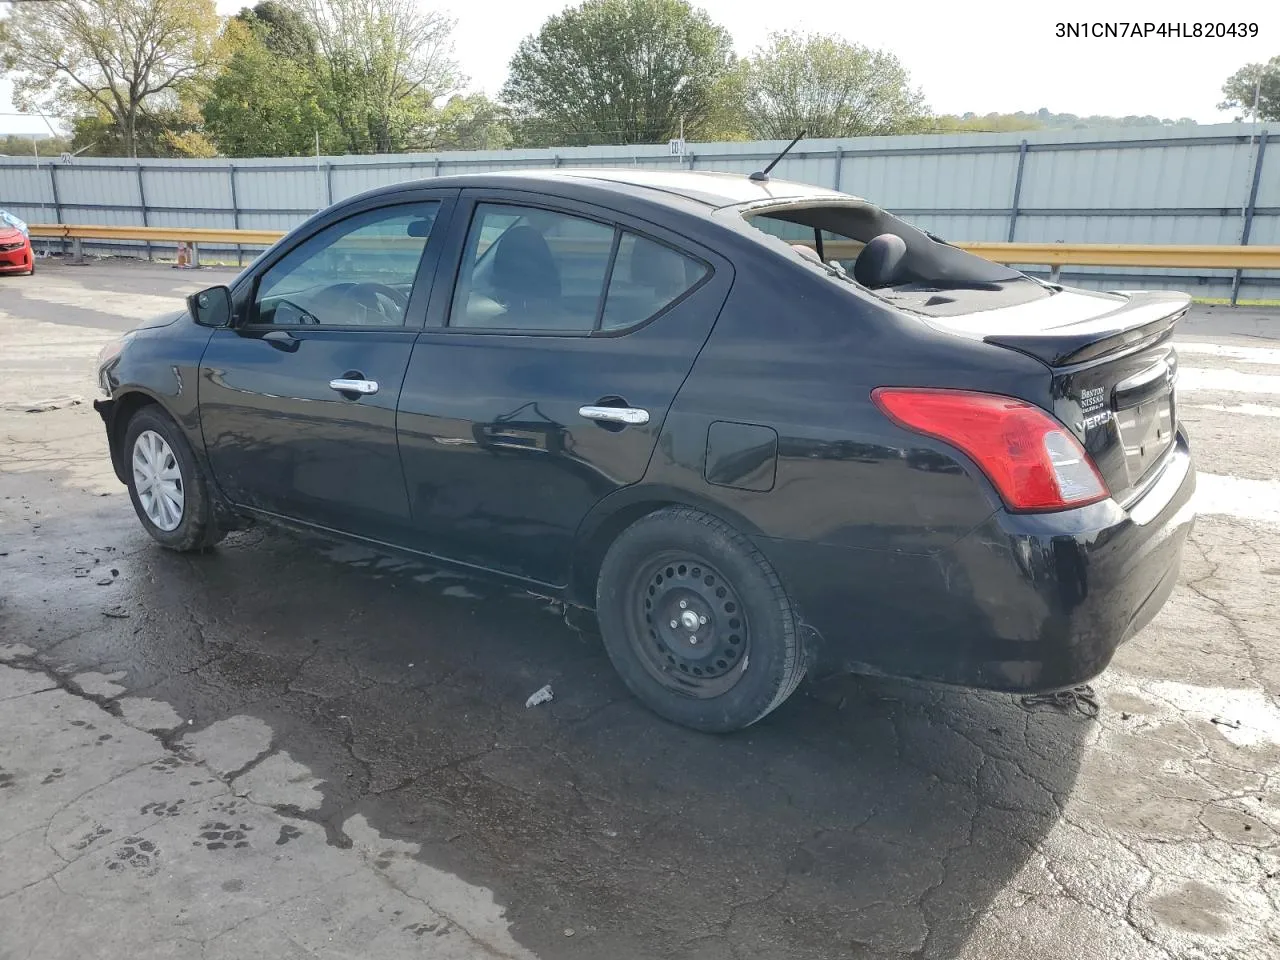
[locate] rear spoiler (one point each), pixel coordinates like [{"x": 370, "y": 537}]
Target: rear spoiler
[{"x": 1146, "y": 317}]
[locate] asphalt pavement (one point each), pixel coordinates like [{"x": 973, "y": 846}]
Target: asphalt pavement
[{"x": 289, "y": 747}]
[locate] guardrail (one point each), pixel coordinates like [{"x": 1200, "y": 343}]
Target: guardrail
[
  {"x": 192, "y": 236},
  {"x": 1053, "y": 255}
]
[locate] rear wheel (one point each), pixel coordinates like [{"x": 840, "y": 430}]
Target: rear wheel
[
  {"x": 697, "y": 622},
  {"x": 168, "y": 491}
]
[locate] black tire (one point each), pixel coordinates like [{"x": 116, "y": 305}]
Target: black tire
[
  {"x": 196, "y": 529},
  {"x": 677, "y": 561}
]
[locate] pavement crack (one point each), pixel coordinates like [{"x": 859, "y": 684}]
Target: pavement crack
[
  {"x": 32, "y": 664},
  {"x": 232, "y": 775}
]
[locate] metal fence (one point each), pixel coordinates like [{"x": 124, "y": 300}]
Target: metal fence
[{"x": 1196, "y": 185}]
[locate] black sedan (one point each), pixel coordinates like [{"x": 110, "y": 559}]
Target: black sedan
[{"x": 760, "y": 428}]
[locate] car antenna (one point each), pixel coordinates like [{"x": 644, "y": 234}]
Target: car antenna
[{"x": 762, "y": 176}]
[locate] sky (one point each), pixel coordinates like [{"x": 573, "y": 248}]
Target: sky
[{"x": 996, "y": 56}]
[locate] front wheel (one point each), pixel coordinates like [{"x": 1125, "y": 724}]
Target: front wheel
[
  {"x": 168, "y": 491},
  {"x": 697, "y": 622}
]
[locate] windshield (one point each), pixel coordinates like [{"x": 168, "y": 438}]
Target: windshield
[{"x": 11, "y": 220}]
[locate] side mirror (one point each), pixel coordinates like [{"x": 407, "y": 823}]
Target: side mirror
[{"x": 212, "y": 307}]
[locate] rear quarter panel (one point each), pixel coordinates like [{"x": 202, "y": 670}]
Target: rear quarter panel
[{"x": 800, "y": 353}]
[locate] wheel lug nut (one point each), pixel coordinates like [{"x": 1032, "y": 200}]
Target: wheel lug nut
[
  {"x": 693, "y": 638},
  {"x": 674, "y": 624},
  {"x": 702, "y": 621},
  {"x": 683, "y": 604}
]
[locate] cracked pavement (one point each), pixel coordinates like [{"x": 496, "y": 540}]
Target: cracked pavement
[{"x": 291, "y": 747}]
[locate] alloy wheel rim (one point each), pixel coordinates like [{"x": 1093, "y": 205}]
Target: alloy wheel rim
[
  {"x": 689, "y": 626},
  {"x": 157, "y": 478}
]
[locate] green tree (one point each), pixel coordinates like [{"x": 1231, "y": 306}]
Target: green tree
[
  {"x": 830, "y": 88},
  {"x": 126, "y": 60},
  {"x": 984, "y": 123},
  {"x": 171, "y": 131},
  {"x": 381, "y": 64},
  {"x": 283, "y": 29},
  {"x": 464, "y": 122},
  {"x": 28, "y": 145},
  {"x": 1258, "y": 82},
  {"x": 623, "y": 71},
  {"x": 264, "y": 102}
]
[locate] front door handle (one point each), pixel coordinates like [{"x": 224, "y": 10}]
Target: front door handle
[
  {"x": 362, "y": 387},
  {"x": 631, "y": 416}
]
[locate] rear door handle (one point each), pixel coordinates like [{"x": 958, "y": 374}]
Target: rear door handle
[
  {"x": 363, "y": 387},
  {"x": 632, "y": 416}
]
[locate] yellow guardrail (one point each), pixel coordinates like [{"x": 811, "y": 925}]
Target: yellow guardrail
[
  {"x": 76, "y": 231},
  {"x": 1056, "y": 255},
  {"x": 1205, "y": 256}
]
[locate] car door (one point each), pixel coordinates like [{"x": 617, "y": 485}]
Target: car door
[
  {"x": 541, "y": 384},
  {"x": 298, "y": 398}
]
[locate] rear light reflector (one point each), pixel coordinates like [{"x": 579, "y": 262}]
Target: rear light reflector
[{"x": 1031, "y": 458}]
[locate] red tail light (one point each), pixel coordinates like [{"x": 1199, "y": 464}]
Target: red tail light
[{"x": 1034, "y": 462}]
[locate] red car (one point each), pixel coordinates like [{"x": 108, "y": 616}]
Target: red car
[{"x": 16, "y": 255}]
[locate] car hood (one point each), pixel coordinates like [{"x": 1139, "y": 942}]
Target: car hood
[
  {"x": 163, "y": 320},
  {"x": 9, "y": 234}
]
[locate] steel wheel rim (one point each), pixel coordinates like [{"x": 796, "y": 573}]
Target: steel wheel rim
[
  {"x": 705, "y": 653},
  {"x": 157, "y": 479}
]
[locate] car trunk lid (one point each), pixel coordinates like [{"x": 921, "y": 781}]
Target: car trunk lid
[{"x": 1113, "y": 369}]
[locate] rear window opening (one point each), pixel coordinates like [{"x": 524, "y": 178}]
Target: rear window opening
[{"x": 856, "y": 242}]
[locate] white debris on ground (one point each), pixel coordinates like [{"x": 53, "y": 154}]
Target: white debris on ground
[{"x": 543, "y": 695}]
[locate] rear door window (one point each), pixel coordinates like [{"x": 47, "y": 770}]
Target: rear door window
[
  {"x": 647, "y": 278},
  {"x": 526, "y": 269}
]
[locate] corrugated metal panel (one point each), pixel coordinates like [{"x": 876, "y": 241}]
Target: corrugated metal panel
[
  {"x": 193, "y": 189},
  {"x": 1269, "y": 184},
  {"x": 273, "y": 190},
  {"x": 89, "y": 185},
  {"x": 24, "y": 186},
  {"x": 1157, "y": 185}
]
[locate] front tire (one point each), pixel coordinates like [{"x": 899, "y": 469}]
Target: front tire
[
  {"x": 168, "y": 490},
  {"x": 697, "y": 623}
]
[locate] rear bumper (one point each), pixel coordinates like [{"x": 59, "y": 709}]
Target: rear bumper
[{"x": 1024, "y": 603}]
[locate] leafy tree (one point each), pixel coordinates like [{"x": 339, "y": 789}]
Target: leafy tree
[
  {"x": 831, "y": 88},
  {"x": 380, "y": 63},
  {"x": 283, "y": 29},
  {"x": 125, "y": 60},
  {"x": 1043, "y": 119},
  {"x": 464, "y": 122},
  {"x": 264, "y": 102},
  {"x": 984, "y": 123},
  {"x": 26, "y": 145},
  {"x": 1260, "y": 81},
  {"x": 622, "y": 71},
  {"x": 173, "y": 131}
]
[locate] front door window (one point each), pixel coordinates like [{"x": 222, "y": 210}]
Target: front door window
[{"x": 358, "y": 272}]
